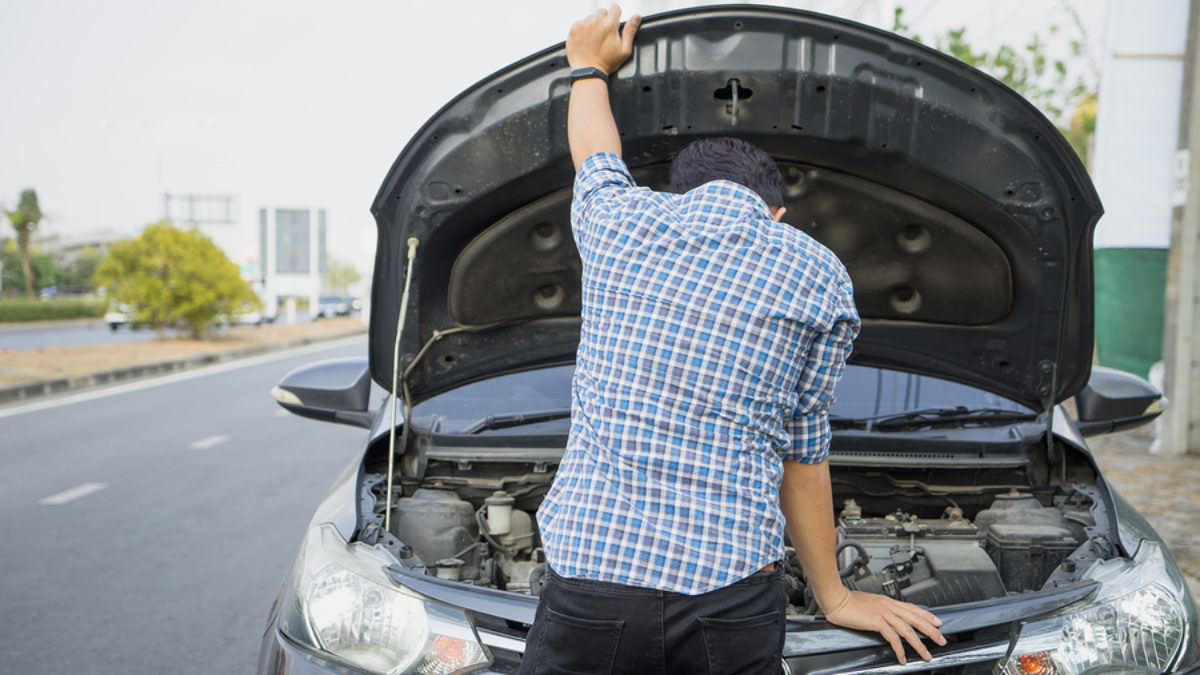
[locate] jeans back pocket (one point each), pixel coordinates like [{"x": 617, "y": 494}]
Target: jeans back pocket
[
  {"x": 751, "y": 644},
  {"x": 574, "y": 645}
]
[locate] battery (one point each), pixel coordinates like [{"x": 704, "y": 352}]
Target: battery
[{"x": 1026, "y": 554}]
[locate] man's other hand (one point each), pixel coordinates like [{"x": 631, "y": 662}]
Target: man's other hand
[
  {"x": 599, "y": 42},
  {"x": 890, "y": 618}
]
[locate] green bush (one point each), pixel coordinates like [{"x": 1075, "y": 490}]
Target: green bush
[
  {"x": 26, "y": 309},
  {"x": 171, "y": 277}
]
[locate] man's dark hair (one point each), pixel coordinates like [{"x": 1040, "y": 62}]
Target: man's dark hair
[{"x": 731, "y": 159}]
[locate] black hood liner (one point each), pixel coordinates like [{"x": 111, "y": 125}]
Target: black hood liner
[{"x": 962, "y": 215}]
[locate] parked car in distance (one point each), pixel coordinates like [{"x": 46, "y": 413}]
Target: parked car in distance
[
  {"x": 119, "y": 315},
  {"x": 122, "y": 315},
  {"x": 329, "y": 306},
  {"x": 251, "y": 317},
  {"x": 960, "y": 482}
]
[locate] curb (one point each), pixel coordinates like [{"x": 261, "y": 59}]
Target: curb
[{"x": 27, "y": 390}]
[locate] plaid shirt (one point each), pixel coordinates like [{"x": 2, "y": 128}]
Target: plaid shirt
[{"x": 711, "y": 341}]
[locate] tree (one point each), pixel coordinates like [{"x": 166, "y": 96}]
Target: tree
[
  {"x": 25, "y": 220},
  {"x": 45, "y": 269},
  {"x": 1045, "y": 82},
  {"x": 1083, "y": 128},
  {"x": 340, "y": 275},
  {"x": 175, "y": 277}
]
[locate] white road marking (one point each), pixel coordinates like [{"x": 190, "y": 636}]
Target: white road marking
[
  {"x": 178, "y": 377},
  {"x": 206, "y": 443},
  {"x": 74, "y": 493}
]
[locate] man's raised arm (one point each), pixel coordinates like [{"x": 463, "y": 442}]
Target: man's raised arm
[{"x": 596, "y": 42}]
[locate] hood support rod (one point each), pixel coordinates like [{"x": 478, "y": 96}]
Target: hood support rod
[
  {"x": 1048, "y": 387},
  {"x": 413, "y": 242}
]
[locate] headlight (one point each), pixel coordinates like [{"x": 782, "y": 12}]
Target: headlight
[
  {"x": 1136, "y": 624},
  {"x": 346, "y": 606}
]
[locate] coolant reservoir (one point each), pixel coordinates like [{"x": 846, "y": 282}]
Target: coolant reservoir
[
  {"x": 1017, "y": 508},
  {"x": 437, "y": 524},
  {"x": 499, "y": 512}
]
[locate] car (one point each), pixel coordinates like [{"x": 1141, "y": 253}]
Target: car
[
  {"x": 329, "y": 306},
  {"x": 122, "y": 315},
  {"x": 119, "y": 314},
  {"x": 251, "y": 317},
  {"x": 961, "y": 480},
  {"x": 249, "y": 314}
]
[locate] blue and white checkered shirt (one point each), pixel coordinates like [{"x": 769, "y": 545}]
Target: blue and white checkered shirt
[{"x": 711, "y": 341}]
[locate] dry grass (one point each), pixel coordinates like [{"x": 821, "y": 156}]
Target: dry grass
[{"x": 27, "y": 365}]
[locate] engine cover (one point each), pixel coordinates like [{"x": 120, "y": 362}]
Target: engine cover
[{"x": 935, "y": 577}]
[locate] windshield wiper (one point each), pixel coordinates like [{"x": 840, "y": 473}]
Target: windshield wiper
[
  {"x": 838, "y": 422},
  {"x": 516, "y": 420},
  {"x": 909, "y": 420},
  {"x": 950, "y": 416}
]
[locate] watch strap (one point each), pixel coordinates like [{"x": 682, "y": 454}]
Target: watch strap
[{"x": 588, "y": 72}]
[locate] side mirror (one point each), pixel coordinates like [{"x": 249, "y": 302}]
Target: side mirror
[
  {"x": 1114, "y": 400},
  {"x": 337, "y": 390}
]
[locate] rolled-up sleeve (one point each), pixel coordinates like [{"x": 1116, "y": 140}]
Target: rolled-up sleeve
[
  {"x": 603, "y": 186},
  {"x": 809, "y": 424}
]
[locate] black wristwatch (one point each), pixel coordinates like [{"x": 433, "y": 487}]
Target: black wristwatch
[{"x": 585, "y": 73}]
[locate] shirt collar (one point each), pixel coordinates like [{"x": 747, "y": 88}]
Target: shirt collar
[{"x": 736, "y": 202}]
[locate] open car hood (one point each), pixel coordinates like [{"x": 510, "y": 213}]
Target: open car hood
[{"x": 962, "y": 215}]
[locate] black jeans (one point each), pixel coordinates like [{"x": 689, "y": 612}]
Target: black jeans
[{"x": 584, "y": 627}]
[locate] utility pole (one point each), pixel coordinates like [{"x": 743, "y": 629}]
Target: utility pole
[{"x": 1181, "y": 330}]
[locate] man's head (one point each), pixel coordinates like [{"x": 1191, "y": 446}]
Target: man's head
[{"x": 731, "y": 159}]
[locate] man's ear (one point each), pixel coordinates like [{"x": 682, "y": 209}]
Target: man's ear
[{"x": 777, "y": 212}]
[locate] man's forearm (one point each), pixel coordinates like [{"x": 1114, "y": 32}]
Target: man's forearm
[
  {"x": 806, "y": 498},
  {"x": 596, "y": 42},
  {"x": 590, "y": 124}
]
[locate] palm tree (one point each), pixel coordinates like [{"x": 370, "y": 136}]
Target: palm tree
[{"x": 25, "y": 220}]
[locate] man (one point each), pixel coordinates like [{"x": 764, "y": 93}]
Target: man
[{"x": 711, "y": 339}]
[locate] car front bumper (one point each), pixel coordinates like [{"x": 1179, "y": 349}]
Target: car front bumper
[
  {"x": 981, "y": 632},
  {"x": 842, "y": 652}
]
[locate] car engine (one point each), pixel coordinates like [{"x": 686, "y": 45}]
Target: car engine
[
  {"x": 482, "y": 531},
  {"x": 492, "y": 545},
  {"x": 1012, "y": 546}
]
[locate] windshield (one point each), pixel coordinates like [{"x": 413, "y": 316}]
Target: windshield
[{"x": 864, "y": 392}]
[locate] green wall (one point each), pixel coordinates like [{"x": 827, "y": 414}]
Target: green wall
[{"x": 1129, "y": 307}]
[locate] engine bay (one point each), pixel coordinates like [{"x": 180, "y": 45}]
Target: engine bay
[
  {"x": 1012, "y": 546},
  {"x": 939, "y": 536}
]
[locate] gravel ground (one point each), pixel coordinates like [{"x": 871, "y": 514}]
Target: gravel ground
[{"x": 1163, "y": 488}]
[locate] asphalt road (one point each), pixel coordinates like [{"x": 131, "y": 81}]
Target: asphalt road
[
  {"x": 15, "y": 336},
  {"x": 146, "y": 529},
  {"x": 47, "y": 334}
]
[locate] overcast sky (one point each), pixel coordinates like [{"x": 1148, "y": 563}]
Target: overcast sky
[{"x": 105, "y": 106}]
